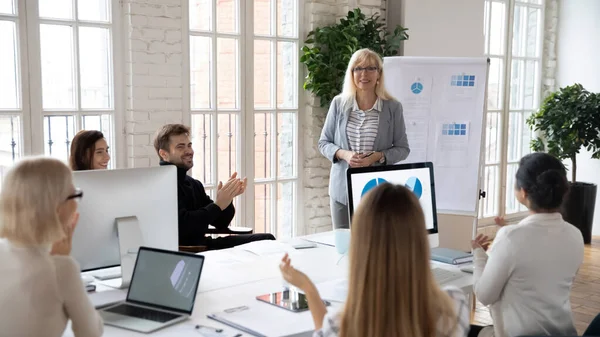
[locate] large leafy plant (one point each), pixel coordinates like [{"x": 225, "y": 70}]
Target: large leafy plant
[
  {"x": 328, "y": 50},
  {"x": 569, "y": 119}
]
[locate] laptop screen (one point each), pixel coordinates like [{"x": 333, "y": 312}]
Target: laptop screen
[
  {"x": 165, "y": 279},
  {"x": 417, "y": 177}
]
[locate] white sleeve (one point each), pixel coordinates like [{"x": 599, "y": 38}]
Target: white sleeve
[
  {"x": 463, "y": 312},
  {"x": 85, "y": 319},
  {"x": 491, "y": 272},
  {"x": 331, "y": 326}
]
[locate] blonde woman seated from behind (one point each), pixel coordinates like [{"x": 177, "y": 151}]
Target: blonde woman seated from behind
[
  {"x": 41, "y": 287},
  {"x": 391, "y": 290}
]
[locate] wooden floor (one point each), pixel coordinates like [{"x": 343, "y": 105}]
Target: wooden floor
[{"x": 585, "y": 296}]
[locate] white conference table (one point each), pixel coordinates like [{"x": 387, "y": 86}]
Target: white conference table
[{"x": 234, "y": 277}]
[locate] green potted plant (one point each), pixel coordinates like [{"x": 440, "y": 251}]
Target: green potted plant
[
  {"x": 569, "y": 120},
  {"x": 328, "y": 50}
]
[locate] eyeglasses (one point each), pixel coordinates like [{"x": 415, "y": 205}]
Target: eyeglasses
[
  {"x": 77, "y": 195},
  {"x": 358, "y": 70}
]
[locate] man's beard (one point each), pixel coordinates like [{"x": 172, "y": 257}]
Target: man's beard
[{"x": 182, "y": 164}]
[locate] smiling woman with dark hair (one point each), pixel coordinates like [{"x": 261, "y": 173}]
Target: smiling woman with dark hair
[{"x": 89, "y": 151}]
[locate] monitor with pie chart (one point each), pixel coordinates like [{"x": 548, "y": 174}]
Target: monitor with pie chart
[{"x": 417, "y": 177}]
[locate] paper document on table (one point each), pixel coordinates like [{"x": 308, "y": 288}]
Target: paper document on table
[
  {"x": 193, "y": 329},
  {"x": 334, "y": 290},
  {"x": 228, "y": 257},
  {"x": 103, "y": 298},
  {"x": 452, "y": 145},
  {"x": 327, "y": 239},
  {"x": 113, "y": 283},
  {"x": 215, "y": 276},
  {"x": 261, "y": 319},
  {"x": 266, "y": 247}
]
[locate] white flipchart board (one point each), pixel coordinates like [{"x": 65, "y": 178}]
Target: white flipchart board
[{"x": 443, "y": 100}]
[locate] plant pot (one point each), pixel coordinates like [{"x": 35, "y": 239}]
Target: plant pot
[{"x": 578, "y": 208}]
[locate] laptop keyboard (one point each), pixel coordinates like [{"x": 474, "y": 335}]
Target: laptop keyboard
[{"x": 143, "y": 313}]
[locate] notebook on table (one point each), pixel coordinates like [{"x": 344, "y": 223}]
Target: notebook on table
[
  {"x": 450, "y": 256},
  {"x": 162, "y": 291}
]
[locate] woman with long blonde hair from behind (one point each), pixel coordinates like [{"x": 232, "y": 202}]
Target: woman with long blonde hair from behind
[{"x": 391, "y": 289}]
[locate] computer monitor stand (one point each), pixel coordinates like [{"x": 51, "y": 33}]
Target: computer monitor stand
[
  {"x": 434, "y": 240},
  {"x": 130, "y": 240}
]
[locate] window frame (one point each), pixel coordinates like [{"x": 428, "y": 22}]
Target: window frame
[
  {"x": 30, "y": 80},
  {"x": 245, "y": 159},
  {"x": 24, "y": 109},
  {"x": 507, "y": 59}
]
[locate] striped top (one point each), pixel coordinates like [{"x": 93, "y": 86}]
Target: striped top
[
  {"x": 362, "y": 127},
  {"x": 331, "y": 323}
]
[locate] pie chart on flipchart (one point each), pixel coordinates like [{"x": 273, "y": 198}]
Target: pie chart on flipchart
[{"x": 416, "y": 88}]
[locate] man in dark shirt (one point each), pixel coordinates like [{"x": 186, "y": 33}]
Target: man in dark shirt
[{"x": 196, "y": 209}]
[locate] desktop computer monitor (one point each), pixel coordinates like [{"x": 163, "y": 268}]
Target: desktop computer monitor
[
  {"x": 149, "y": 194},
  {"x": 417, "y": 177}
]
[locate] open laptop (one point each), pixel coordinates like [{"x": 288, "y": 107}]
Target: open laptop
[{"x": 161, "y": 293}]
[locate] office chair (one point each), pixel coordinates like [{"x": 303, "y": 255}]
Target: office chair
[
  {"x": 215, "y": 231},
  {"x": 594, "y": 328}
]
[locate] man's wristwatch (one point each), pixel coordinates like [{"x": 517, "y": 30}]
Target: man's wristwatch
[{"x": 382, "y": 159}]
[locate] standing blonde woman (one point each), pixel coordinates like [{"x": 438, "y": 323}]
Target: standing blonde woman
[
  {"x": 40, "y": 286},
  {"x": 364, "y": 127},
  {"x": 391, "y": 290}
]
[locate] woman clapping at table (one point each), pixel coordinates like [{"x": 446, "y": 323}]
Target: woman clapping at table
[{"x": 391, "y": 290}]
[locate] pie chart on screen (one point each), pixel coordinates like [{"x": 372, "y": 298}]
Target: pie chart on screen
[
  {"x": 371, "y": 184},
  {"x": 414, "y": 184}
]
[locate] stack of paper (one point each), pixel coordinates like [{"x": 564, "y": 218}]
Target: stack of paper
[
  {"x": 327, "y": 239},
  {"x": 267, "y": 247},
  {"x": 103, "y": 298},
  {"x": 261, "y": 319},
  {"x": 334, "y": 290}
]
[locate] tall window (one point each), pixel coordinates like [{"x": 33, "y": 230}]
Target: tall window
[
  {"x": 513, "y": 42},
  {"x": 57, "y": 75},
  {"x": 244, "y": 104},
  {"x": 11, "y": 95}
]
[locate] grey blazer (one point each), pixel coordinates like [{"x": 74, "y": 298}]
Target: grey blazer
[{"x": 391, "y": 140}]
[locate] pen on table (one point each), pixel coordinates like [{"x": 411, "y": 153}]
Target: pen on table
[{"x": 208, "y": 327}]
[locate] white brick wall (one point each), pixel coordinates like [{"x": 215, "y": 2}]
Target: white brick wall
[
  {"x": 154, "y": 73},
  {"x": 549, "y": 50}
]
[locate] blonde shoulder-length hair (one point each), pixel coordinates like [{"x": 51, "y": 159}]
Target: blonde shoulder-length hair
[
  {"x": 32, "y": 191},
  {"x": 392, "y": 291},
  {"x": 364, "y": 57}
]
